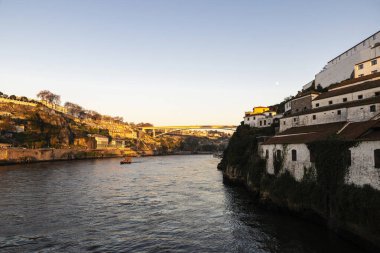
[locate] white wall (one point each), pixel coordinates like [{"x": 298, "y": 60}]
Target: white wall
[
  {"x": 296, "y": 168},
  {"x": 341, "y": 67},
  {"x": 368, "y": 68},
  {"x": 351, "y": 114},
  {"x": 362, "y": 170},
  {"x": 350, "y": 97},
  {"x": 253, "y": 120}
]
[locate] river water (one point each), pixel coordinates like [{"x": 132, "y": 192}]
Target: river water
[{"x": 157, "y": 204}]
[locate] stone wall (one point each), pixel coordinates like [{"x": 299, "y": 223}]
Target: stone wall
[
  {"x": 362, "y": 170},
  {"x": 296, "y": 168},
  {"x": 7, "y": 100},
  {"x": 17, "y": 155},
  {"x": 301, "y": 104}
]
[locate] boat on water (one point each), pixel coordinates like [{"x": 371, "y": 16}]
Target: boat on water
[{"x": 126, "y": 160}]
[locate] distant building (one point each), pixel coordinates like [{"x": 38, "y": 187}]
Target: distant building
[
  {"x": 260, "y": 117},
  {"x": 342, "y": 66},
  {"x": 368, "y": 67},
  {"x": 118, "y": 143},
  {"x": 101, "y": 141},
  {"x": 19, "y": 128}
]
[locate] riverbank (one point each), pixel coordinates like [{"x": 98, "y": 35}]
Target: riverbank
[
  {"x": 349, "y": 210},
  {"x": 10, "y": 156}
]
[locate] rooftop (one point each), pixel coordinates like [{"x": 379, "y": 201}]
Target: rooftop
[
  {"x": 353, "y": 81},
  {"x": 363, "y": 131},
  {"x": 305, "y": 134},
  {"x": 350, "y": 89}
]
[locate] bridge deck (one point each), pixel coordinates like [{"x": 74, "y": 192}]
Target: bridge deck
[{"x": 189, "y": 127}]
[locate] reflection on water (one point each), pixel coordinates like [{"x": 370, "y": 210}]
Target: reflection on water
[{"x": 158, "y": 204}]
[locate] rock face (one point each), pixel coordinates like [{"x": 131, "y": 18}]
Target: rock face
[{"x": 349, "y": 210}]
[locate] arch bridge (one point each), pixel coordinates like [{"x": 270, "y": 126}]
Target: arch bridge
[{"x": 162, "y": 130}]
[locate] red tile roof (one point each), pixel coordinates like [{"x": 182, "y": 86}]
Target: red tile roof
[
  {"x": 362, "y": 131},
  {"x": 355, "y": 80},
  {"x": 305, "y": 134},
  {"x": 350, "y": 89}
]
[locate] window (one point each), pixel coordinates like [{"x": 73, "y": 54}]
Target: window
[
  {"x": 374, "y": 71},
  {"x": 312, "y": 157},
  {"x": 348, "y": 157},
  {"x": 267, "y": 154},
  {"x": 261, "y": 123},
  {"x": 361, "y": 75},
  {"x": 360, "y": 66},
  {"x": 377, "y": 93},
  {"x": 372, "y": 108},
  {"x": 374, "y": 62},
  {"x": 294, "y": 155},
  {"x": 314, "y": 117},
  {"x": 284, "y": 122},
  {"x": 317, "y": 105},
  {"x": 330, "y": 102},
  {"x": 344, "y": 100},
  {"x": 360, "y": 97},
  {"x": 254, "y": 118},
  {"x": 377, "y": 158},
  {"x": 265, "y": 122},
  {"x": 339, "y": 112},
  {"x": 294, "y": 119},
  {"x": 278, "y": 155}
]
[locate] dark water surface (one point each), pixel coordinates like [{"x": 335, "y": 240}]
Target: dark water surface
[{"x": 158, "y": 204}]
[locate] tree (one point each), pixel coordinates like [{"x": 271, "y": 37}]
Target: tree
[
  {"x": 93, "y": 115},
  {"x": 49, "y": 97},
  {"x": 12, "y": 97},
  {"x": 118, "y": 119},
  {"x": 24, "y": 99},
  {"x": 73, "y": 109},
  {"x": 142, "y": 124}
]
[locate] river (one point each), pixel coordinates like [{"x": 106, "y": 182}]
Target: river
[{"x": 156, "y": 204}]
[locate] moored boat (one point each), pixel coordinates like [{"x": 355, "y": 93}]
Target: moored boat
[{"x": 127, "y": 160}]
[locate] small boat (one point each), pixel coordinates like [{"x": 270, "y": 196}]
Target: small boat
[{"x": 127, "y": 160}]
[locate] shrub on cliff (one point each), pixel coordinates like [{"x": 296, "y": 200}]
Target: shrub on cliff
[{"x": 242, "y": 147}]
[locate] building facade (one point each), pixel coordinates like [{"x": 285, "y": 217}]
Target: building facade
[
  {"x": 260, "y": 117},
  {"x": 342, "y": 66},
  {"x": 371, "y": 66}
]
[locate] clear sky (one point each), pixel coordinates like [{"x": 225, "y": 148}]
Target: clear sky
[{"x": 174, "y": 62}]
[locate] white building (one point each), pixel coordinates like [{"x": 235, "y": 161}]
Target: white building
[
  {"x": 350, "y": 103},
  {"x": 260, "y": 117},
  {"x": 291, "y": 145},
  {"x": 369, "y": 67},
  {"x": 342, "y": 66}
]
